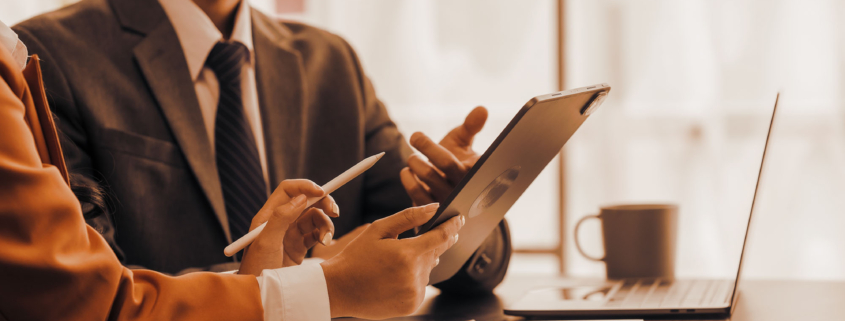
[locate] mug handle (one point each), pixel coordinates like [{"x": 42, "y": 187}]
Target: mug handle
[{"x": 578, "y": 244}]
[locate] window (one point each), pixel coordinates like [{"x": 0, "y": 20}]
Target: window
[{"x": 693, "y": 85}]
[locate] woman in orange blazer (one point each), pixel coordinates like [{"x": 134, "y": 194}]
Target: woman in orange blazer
[
  {"x": 52, "y": 265},
  {"x": 55, "y": 267}
]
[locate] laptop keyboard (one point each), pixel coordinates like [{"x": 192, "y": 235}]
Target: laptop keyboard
[{"x": 660, "y": 293}]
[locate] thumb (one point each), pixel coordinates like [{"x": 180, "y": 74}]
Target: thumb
[
  {"x": 473, "y": 123},
  {"x": 392, "y": 226}
]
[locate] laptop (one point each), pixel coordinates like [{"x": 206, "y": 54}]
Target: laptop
[{"x": 639, "y": 298}]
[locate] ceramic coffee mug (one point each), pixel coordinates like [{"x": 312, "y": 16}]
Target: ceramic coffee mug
[{"x": 639, "y": 240}]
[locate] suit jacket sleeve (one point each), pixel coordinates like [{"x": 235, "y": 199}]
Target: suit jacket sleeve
[
  {"x": 53, "y": 266},
  {"x": 75, "y": 145},
  {"x": 71, "y": 133},
  {"x": 384, "y": 193}
]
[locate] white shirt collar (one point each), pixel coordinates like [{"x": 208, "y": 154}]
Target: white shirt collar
[
  {"x": 198, "y": 35},
  {"x": 9, "y": 40}
]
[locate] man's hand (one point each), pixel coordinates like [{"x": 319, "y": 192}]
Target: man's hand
[
  {"x": 378, "y": 276},
  {"x": 429, "y": 182},
  {"x": 291, "y": 228},
  {"x": 448, "y": 162}
]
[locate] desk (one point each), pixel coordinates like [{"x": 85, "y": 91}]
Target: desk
[{"x": 768, "y": 300}]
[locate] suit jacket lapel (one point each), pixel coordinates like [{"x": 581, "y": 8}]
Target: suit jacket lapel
[
  {"x": 162, "y": 62},
  {"x": 278, "y": 73}
]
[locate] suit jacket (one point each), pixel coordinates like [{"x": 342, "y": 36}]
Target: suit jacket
[
  {"x": 118, "y": 81},
  {"x": 55, "y": 267}
]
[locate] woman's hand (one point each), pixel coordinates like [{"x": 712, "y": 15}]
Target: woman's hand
[
  {"x": 328, "y": 250},
  {"x": 291, "y": 229},
  {"x": 378, "y": 276}
]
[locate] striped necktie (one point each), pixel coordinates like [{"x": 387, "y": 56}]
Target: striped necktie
[{"x": 238, "y": 165}]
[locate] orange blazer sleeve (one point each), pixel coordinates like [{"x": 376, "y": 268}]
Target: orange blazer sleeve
[{"x": 54, "y": 267}]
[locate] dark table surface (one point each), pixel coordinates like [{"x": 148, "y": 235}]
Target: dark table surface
[{"x": 768, "y": 300}]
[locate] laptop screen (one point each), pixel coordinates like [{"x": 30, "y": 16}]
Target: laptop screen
[{"x": 754, "y": 201}]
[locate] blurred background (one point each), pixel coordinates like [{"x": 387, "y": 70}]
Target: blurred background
[{"x": 693, "y": 82}]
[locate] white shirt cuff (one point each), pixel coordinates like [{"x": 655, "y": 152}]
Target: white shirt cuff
[
  {"x": 295, "y": 293},
  {"x": 312, "y": 260}
]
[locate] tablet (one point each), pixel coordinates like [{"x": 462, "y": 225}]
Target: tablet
[{"x": 530, "y": 141}]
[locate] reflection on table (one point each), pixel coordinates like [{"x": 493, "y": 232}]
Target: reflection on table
[{"x": 769, "y": 300}]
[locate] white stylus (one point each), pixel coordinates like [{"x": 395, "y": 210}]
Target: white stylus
[{"x": 329, "y": 188}]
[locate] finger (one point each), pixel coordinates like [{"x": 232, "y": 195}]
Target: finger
[
  {"x": 473, "y": 123},
  {"x": 325, "y": 228},
  {"x": 296, "y": 244},
  {"x": 295, "y": 187},
  {"x": 283, "y": 193},
  {"x": 316, "y": 220},
  {"x": 427, "y": 259},
  {"x": 415, "y": 190},
  {"x": 440, "y": 188},
  {"x": 311, "y": 239},
  {"x": 440, "y": 157},
  {"x": 430, "y": 258},
  {"x": 441, "y": 237},
  {"x": 425, "y": 186},
  {"x": 328, "y": 205},
  {"x": 283, "y": 216},
  {"x": 392, "y": 226},
  {"x": 442, "y": 248}
]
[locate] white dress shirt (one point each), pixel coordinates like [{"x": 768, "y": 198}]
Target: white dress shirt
[
  {"x": 198, "y": 36},
  {"x": 9, "y": 40},
  {"x": 292, "y": 293}
]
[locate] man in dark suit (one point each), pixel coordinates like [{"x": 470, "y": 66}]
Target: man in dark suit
[{"x": 190, "y": 112}]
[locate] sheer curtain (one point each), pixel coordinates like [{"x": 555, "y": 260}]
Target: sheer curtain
[
  {"x": 693, "y": 86},
  {"x": 12, "y": 12}
]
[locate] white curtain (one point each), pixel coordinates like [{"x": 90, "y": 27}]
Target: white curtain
[
  {"x": 14, "y": 11},
  {"x": 693, "y": 86}
]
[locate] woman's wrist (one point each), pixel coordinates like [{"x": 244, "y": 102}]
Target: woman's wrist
[{"x": 334, "y": 285}]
